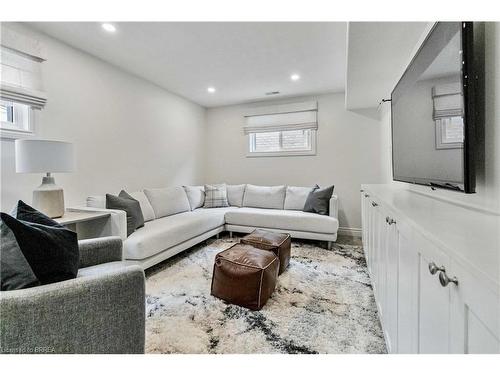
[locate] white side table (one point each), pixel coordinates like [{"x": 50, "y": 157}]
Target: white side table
[{"x": 86, "y": 224}]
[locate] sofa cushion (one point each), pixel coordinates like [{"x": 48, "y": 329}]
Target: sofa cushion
[
  {"x": 15, "y": 271},
  {"x": 50, "y": 249},
  {"x": 100, "y": 269},
  {"x": 264, "y": 196},
  {"x": 131, "y": 207},
  {"x": 318, "y": 201},
  {"x": 235, "y": 194},
  {"x": 282, "y": 219},
  {"x": 168, "y": 201},
  {"x": 146, "y": 208},
  {"x": 215, "y": 196},
  {"x": 162, "y": 234},
  {"x": 296, "y": 197},
  {"x": 196, "y": 196}
]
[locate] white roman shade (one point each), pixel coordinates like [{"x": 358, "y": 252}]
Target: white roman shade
[
  {"x": 294, "y": 116},
  {"x": 448, "y": 101},
  {"x": 20, "y": 63}
]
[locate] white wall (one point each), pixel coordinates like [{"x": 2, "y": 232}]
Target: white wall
[
  {"x": 128, "y": 133},
  {"x": 347, "y": 154},
  {"x": 487, "y": 194}
]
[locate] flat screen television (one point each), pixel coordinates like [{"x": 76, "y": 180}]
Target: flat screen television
[{"x": 438, "y": 111}]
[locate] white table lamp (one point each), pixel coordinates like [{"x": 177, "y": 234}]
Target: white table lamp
[{"x": 40, "y": 156}]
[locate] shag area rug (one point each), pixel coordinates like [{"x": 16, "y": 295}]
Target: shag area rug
[{"x": 323, "y": 303}]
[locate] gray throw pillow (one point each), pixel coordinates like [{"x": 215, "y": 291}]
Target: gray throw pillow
[
  {"x": 50, "y": 249},
  {"x": 138, "y": 215},
  {"x": 15, "y": 271},
  {"x": 318, "y": 201},
  {"x": 215, "y": 196},
  {"x": 132, "y": 208}
]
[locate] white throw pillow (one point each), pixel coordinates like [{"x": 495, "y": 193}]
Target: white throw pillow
[
  {"x": 264, "y": 196},
  {"x": 296, "y": 197},
  {"x": 146, "y": 208},
  {"x": 168, "y": 201},
  {"x": 96, "y": 201},
  {"x": 196, "y": 196},
  {"x": 235, "y": 194}
]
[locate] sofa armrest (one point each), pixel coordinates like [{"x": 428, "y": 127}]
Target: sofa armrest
[
  {"x": 117, "y": 223},
  {"x": 99, "y": 313},
  {"x": 334, "y": 206},
  {"x": 100, "y": 250}
]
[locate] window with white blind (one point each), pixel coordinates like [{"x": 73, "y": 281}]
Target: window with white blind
[
  {"x": 283, "y": 130},
  {"x": 21, "y": 86},
  {"x": 448, "y": 115}
]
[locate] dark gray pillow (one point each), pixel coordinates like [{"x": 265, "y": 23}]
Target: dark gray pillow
[
  {"x": 318, "y": 201},
  {"x": 131, "y": 207},
  {"x": 50, "y": 248},
  {"x": 15, "y": 271},
  {"x": 139, "y": 220}
]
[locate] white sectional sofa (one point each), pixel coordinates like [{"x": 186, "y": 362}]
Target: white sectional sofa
[{"x": 175, "y": 219}]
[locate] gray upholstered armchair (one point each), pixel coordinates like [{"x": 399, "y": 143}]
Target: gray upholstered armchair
[{"x": 101, "y": 311}]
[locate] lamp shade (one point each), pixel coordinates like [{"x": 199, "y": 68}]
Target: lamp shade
[{"x": 41, "y": 156}]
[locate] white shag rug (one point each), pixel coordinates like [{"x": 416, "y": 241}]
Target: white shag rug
[{"x": 323, "y": 303}]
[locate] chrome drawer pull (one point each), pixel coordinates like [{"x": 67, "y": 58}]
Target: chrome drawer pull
[
  {"x": 433, "y": 269},
  {"x": 391, "y": 221},
  {"x": 445, "y": 280},
  {"x": 366, "y": 195},
  {"x": 374, "y": 204}
]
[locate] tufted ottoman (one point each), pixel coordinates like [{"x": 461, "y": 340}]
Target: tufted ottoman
[
  {"x": 279, "y": 243},
  {"x": 245, "y": 276}
]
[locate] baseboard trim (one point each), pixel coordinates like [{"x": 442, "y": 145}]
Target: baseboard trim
[{"x": 351, "y": 232}]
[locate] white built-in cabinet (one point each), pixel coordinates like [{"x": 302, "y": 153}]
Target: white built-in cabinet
[{"x": 435, "y": 269}]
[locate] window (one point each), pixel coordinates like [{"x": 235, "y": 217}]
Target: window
[
  {"x": 15, "y": 119},
  {"x": 21, "y": 83},
  {"x": 287, "y": 129},
  {"x": 282, "y": 143},
  {"x": 449, "y": 132}
]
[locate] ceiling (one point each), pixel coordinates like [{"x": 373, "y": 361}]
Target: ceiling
[
  {"x": 242, "y": 61},
  {"x": 378, "y": 54}
]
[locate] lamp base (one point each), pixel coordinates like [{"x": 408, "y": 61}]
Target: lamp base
[{"x": 49, "y": 198}]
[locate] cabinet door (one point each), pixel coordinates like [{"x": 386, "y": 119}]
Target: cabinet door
[
  {"x": 408, "y": 276},
  {"x": 364, "y": 220},
  {"x": 434, "y": 303},
  {"x": 379, "y": 261},
  {"x": 475, "y": 314},
  {"x": 391, "y": 286},
  {"x": 367, "y": 229}
]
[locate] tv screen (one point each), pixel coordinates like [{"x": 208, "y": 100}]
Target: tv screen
[{"x": 434, "y": 111}]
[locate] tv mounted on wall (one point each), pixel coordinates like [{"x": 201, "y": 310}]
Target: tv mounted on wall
[{"x": 438, "y": 110}]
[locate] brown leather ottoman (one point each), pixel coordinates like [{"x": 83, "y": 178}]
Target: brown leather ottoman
[
  {"x": 279, "y": 243},
  {"x": 245, "y": 276}
]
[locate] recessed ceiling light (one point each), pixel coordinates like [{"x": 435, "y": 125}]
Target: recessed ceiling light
[
  {"x": 211, "y": 90},
  {"x": 294, "y": 77},
  {"x": 109, "y": 27}
]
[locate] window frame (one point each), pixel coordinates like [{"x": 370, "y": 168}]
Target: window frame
[
  {"x": 23, "y": 125},
  {"x": 281, "y": 153},
  {"x": 440, "y": 144}
]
